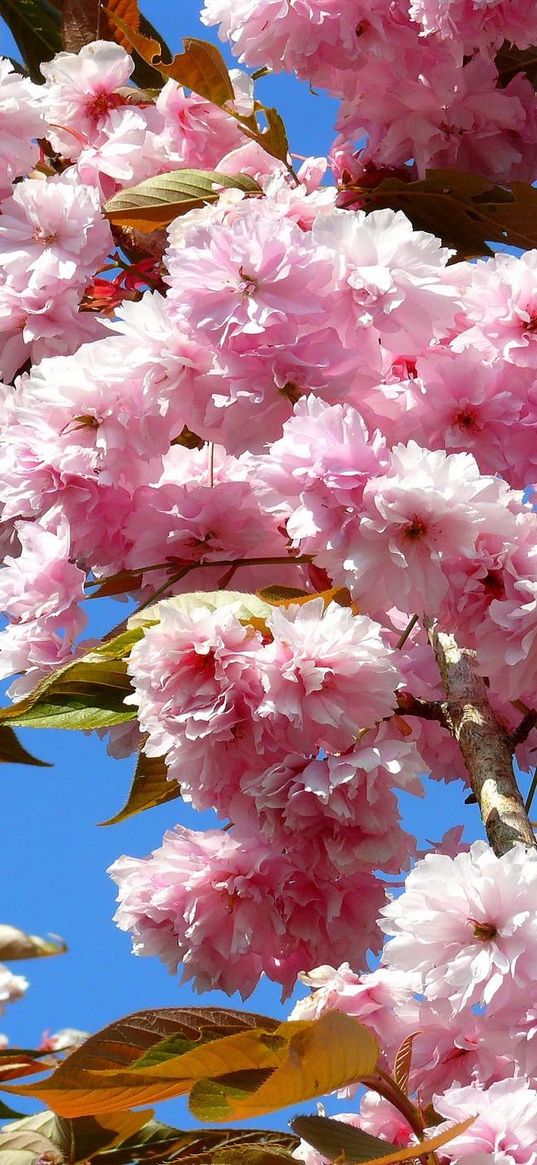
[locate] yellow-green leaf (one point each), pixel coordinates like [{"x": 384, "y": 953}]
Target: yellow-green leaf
[
  {"x": 15, "y": 944},
  {"x": 157, "y": 201},
  {"x": 247, "y": 608},
  {"x": 87, "y": 693},
  {"x": 13, "y": 752},
  {"x": 321, "y": 1056},
  {"x": 150, "y": 787}
]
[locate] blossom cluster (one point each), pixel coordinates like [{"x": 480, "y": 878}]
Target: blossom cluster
[
  {"x": 456, "y": 977},
  {"x": 421, "y": 80},
  {"x": 295, "y": 398}
]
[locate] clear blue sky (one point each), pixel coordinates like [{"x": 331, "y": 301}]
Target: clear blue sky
[{"x": 53, "y": 856}]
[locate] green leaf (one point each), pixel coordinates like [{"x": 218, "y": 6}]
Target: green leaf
[
  {"x": 35, "y": 27},
  {"x": 157, "y": 201},
  {"x": 333, "y": 1138},
  {"x": 87, "y": 693},
  {"x": 465, "y": 210},
  {"x": 336, "y": 1140},
  {"x": 13, "y": 752},
  {"x": 96, "y": 707},
  {"x": 15, "y": 944},
  {"x": 150, "y": 787}
]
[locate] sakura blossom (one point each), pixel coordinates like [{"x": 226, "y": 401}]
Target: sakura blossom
[
  {"x": 505, "y": 1122},
  {"x": 12, "y": 987},
  {"x": 232, "y": 907},
  {"x": 465, "y": 926},
  {"x": 291, "y": 431},
  {"x": 22, "y": 120}
]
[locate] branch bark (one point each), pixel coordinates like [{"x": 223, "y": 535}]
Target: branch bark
[{"x": 485, "y": 744}]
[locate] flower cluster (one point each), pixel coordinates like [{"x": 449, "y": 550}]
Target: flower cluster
[
  {"x": 456, "y": 975},
  {"x": 317, "y": 407},
  {"x": 421, "y": 80}
]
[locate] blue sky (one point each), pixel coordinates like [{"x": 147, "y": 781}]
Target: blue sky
[{"x": 53, "y": 856}]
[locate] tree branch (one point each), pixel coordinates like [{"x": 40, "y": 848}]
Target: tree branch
[
  {"x": 485, "y": 744},
  {"x": 410, "y": 705},
  {"x": 526, "y": 725}
]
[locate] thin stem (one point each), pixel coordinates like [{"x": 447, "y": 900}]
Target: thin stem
[
  {"x": 211, "y": 465},
  {"x": 236, "y": 562},
  {"x": 165, "y": 587},
  {"x": 410, "y": 627},
  {"x": 386, "y": 1087},
  {"x": 531, "y": 794}
]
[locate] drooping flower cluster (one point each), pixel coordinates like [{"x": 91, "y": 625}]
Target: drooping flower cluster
[
  {"x": 286, "y": 395},
  {"x": 424, "y": 82}
]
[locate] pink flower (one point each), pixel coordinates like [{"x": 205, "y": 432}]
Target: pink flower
[
  {"x": 254, "y": 273},
  {"x": 389, "y": 275},
  {"x": 505, "y": 1128},
  {"x": 467, "y": 926},
  {"x": 231, "y": 908},
  {"x": 499, "y": 308},
  {"x": 320, "y": 466},
  {"x": 306, "y": 35},
  {"x": 81, "y": 93},
  {"x": 379, "y": 1118},
  {"x": 340, "y": 811},
  {"x": 41, "y": 583},
  {"x": 21, "y": 122},
  {"x": 12, "y": 987},
  {"x": 383, "y": 1000},
  {"x": 327, "y": 673},
  {"x": 194, "y": 523},
  {"x": 52, "y": 230},
  {"x": 196, "y": 687},
  {"x": 37, "y": 322},
  {"x": 428, "y": 509},
  {"x": 194, "y": 132},
  {"x": 475, "y": 25}
]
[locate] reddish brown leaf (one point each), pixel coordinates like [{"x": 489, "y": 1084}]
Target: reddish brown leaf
[
  {"x": 80, "y": 23},
  {"x": 403, "y": 1059}
]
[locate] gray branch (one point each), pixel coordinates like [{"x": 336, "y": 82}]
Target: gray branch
[{"x": 485, "y": 743}]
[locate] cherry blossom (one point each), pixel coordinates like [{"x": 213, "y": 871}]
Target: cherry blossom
[{"x": 465, "y": 925}]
